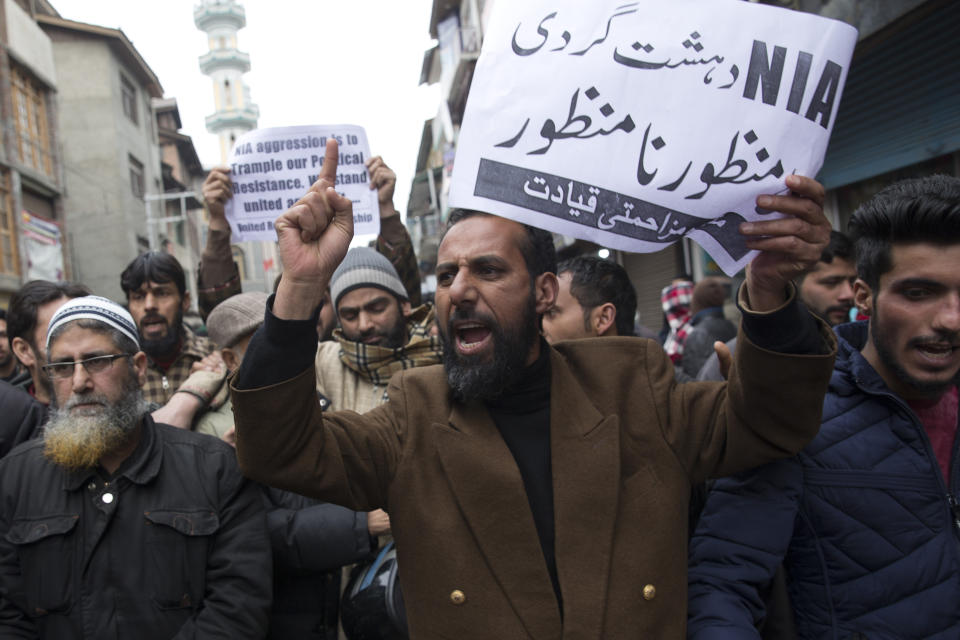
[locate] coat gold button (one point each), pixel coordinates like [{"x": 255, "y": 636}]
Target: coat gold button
[
  {"x": 458, "y": 597},
  {"x": 649, "y": 592}
]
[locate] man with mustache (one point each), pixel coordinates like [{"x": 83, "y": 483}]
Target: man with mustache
[
  {"x": 826, "y": 290},
  {"x": 156, "y": 290},
  {"x": 115, "y": 526},
  {"x": 532, "y": 491},
  {"x": 866, "y": 519}
]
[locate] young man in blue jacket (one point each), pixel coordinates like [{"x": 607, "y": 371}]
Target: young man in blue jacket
[{"x": 865, "y": 519}]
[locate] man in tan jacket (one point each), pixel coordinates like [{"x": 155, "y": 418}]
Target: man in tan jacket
[{"x": 533, "y": 492}]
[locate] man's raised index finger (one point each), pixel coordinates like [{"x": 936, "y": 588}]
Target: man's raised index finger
[{"x": 329, "y": 170}]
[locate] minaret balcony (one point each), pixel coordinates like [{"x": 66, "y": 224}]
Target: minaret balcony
[
  {"x": 224, "y": 59},
  {"x": 220, "y": 13},
  {"x": 242, "y": 118}
]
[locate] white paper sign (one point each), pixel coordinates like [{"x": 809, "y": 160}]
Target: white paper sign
[
  {"x": 273, "y": 168},
  {"x": 635, "y": 124}
]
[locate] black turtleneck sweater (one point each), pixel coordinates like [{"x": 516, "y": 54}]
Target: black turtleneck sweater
[{"x": 522, "y": 415}]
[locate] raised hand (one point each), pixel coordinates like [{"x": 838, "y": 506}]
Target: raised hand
[
  {"x": 312, "y": 237},
  {"x": 789, "y": 246},
  {"x": 216, "y": 191},
  {"x": 384, "y": 180}
]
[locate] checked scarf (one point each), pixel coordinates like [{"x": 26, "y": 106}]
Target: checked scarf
[
  {"x": 377, "y": 364},
  {"x": 676, "y": 300}
]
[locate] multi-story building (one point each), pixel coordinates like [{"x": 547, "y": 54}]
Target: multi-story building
[
  {"x": 899, "y": 117},
  {"x": 31, "y": 168},
  {"x": 110, "y": 151},
  {"x": 457, "y": 25}
]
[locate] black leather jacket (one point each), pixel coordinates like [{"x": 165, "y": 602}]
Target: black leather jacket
[{"x": 173, "y": 545}]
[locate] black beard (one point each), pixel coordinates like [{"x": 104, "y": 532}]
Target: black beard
[
  {"x": 472, "y": 380},
  {"x": 929, "y": 388},
  {"x": 395, "y": 338},
  {"x": 167, "y": 345}
]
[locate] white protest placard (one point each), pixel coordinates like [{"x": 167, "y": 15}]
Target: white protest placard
[
  {"x": 273, "y": 168},
  {"x": 634, "y": 124}
]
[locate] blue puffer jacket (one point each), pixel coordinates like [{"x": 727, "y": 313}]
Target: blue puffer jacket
[{"x": 862, "y": 519}]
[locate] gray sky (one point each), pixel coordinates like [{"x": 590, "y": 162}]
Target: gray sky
[{"x": 313, "y": 62}]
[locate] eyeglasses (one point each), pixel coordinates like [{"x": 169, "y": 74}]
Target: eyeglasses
[{"x": 92, "y": 366}]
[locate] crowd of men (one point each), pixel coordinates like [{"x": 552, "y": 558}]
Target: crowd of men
[{"x": 507, "y": 460}]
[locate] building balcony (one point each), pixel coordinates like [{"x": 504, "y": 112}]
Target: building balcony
[
  {"x": 211, "y": 14},
  {"x": 230, "y": 59},
  {"x": 243, "y": 118}
]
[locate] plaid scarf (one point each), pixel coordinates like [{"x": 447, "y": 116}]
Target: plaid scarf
[
  {"x": 377, "y": 364},
  {"x": 676, "y": 299}
]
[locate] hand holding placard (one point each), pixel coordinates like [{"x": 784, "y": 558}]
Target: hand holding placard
[{"x": 788, "y": 246}]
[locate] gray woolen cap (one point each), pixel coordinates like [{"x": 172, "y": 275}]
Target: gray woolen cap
[
  {"x": 364, "y": 267},
  {"x": 236, "y": 317}
]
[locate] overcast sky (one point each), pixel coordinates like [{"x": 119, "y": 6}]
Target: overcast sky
[{"x": 313, "y": 62}]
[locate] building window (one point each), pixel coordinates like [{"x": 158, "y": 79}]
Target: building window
[
  {"x": 227, "y": 93},
  {"x": 9, "y": 259},
  {"x": 128, "y": 94},
  {"x": 30, "y": 122},
  {"x": 136, "y": 177}
]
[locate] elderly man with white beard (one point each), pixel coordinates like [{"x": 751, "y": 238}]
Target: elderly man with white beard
[{"x": 113, "y": 525}]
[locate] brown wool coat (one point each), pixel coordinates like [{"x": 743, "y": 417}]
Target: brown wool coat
[{"x": 627, "y": 442}]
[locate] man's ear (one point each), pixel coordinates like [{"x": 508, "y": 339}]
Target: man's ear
[
  {"x": 863, "y": 297},
  {"x": 185, "y": 303},
  {"x": 139, "y": 360},
  {"x": 603, "y": 319},
  {"x": 546, "y": 287},
  {"x": 24, "y": 352},
  {"x": 230, "y": 358},
  {"x": 405, "y": 308}
]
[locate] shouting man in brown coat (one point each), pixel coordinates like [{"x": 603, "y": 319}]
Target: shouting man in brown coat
[{"x": 534, "y": 491}]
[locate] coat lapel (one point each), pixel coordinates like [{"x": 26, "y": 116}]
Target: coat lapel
[
  {"x": 586, "y": 482},
  {"x": 489, "y": 490}
]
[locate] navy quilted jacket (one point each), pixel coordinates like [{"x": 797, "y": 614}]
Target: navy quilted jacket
[{"x": 862, "y": 519}]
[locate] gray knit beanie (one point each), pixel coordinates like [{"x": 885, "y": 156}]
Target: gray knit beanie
[{"x": 364, "y": 267}]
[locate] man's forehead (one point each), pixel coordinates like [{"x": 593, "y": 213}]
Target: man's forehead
[
  {"x": 361, "y": 296},
  {"x": 150, "y": 284},
  {"x": 74, "y": 337},
  {"x": 480, "y": 235}
]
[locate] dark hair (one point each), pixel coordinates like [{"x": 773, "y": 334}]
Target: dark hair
[
  {"x": 594, "y": 281},
  {"x": 117, "y": 337},
  {"x": 153, "y": 266},
  {"x": 3, "y": 314},
  {"x": 840, "y": 246},
  {"x": 538, "y": 251},
  {"x": 22, "y": 313},
  {"x": 916, "y": 210}
]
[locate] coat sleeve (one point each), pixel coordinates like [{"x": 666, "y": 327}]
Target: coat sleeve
[
  {"x": 315, "y": 537},
  {"x": 340, "y": 457},
  {"x": 740, "y": 542},
  {"x": 239, "y": 578},
  {"x": 769, "y": 409}
]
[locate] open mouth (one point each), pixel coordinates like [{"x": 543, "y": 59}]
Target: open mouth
[
  {"x": 153, "y": 326},
  {"x": 936, "y": 351},
  {"x": 471, "y": 337}
]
